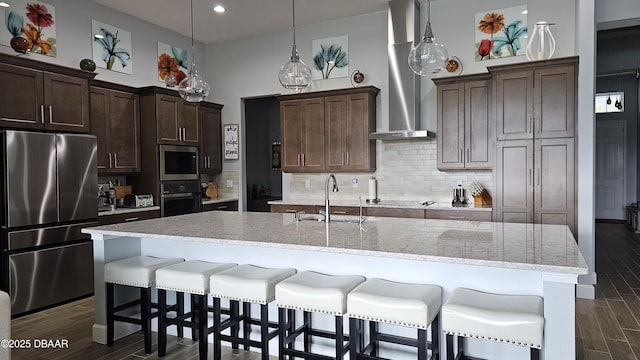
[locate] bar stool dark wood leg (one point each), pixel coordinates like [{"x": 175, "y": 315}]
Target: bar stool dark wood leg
[
  {"x": 145, "y": 296},
  {"x": 162, "y": 321},
  {"x": 110, "y": 320}
]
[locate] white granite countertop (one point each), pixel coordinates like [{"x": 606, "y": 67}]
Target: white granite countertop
[
  {"x": 538, "y": 247},
  {"x": 400, "y": 204},
  {"x": 124, "y": 210}
]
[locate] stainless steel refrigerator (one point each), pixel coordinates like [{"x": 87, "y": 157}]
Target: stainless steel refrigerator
[{"x": 49, "y": 192}]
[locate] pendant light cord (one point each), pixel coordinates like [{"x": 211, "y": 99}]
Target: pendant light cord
[
  {"x": 293, "y": 12},
  {"x": 193, "y": 54}
]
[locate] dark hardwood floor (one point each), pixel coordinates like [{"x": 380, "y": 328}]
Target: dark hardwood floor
[{"x": 606, "y": 328}]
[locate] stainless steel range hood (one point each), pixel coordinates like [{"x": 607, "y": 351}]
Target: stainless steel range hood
[{"x": 404, "y": 85}]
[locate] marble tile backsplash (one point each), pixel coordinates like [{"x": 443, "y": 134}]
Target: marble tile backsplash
[
  {"x": 406, "y": 170},
  {"x": 222, "y": 179}
]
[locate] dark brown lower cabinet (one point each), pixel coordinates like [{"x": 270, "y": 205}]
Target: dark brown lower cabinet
[
  {"x": 225, "y": 205},
  {"x": 127, "y": 217},
  {"x": 535, "y": 182}
]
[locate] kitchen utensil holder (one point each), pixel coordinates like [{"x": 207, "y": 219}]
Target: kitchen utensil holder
[{"x": 483, "y": 199}]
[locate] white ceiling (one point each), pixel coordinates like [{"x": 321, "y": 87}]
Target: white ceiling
[{"x": 242, "y": 17}]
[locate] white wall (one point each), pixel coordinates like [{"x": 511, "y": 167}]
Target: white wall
[
  {"x": 617, "y": 13},
  {"x": 74, "y": 41}
]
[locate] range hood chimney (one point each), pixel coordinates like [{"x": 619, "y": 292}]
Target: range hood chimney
[{"x": 404, "y": 85}]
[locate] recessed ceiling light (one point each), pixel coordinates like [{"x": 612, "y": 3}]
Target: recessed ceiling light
[
  {"x": 4, "y": 4},
  {"x": 525, "y": 12},
  {"x": 219, "y": 9}
]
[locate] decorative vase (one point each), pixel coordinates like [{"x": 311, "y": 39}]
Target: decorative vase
[
  {"x": 541, "y": 44},
  {"x": 87, "y": 65},
  {"x": 19, "y": 44}
]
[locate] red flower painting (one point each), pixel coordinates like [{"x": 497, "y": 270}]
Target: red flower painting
[
  {"x": 39, "y": 15},
  {"x": 31, "y": 25},
  {"x": 485, "y": 48}
]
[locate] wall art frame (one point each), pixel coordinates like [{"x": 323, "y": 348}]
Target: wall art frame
[{"x": 231, "y": 141}]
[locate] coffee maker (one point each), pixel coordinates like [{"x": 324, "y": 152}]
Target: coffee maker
[{"x": 459, "y": 196}]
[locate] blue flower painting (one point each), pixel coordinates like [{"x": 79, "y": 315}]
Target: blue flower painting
[
  {"x": 501, "y": 33},
  {"x": 330, "y": 58},
  {"x": 111, "y": 48}
]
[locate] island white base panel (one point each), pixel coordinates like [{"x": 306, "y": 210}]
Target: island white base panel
[{"x": 557, "y": 289}]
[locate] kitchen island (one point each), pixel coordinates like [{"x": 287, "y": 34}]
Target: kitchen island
[{"x": 504, "y": 258}]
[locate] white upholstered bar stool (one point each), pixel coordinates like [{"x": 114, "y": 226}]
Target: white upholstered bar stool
[
  {"x": 382, "y": 301},
  {"x": 513, "y": 319},
  {"x": 191, "y": 277},
  {"x": 246, "y": 284},
  {"x": 313, "y": 292},
  {"x": 139, "y": 272},
  {"x": 5, "y": 324}
]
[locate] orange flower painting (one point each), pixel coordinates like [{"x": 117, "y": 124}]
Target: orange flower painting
[
  {"x": 34, "y": 22},
  {"x": 172, "y": 64},
  {"x": 501, "y": 33}
]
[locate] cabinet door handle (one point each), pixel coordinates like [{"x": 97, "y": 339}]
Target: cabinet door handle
[
  {"x": 538, "y": 122},
  {"x": 347, "y": 158},
  {"x": 340, "y": 212},
  {"x": 208, "y": 162},
  {"x": 50, "y": 114},
  {"x": 184, "y": 134},
  {"x": 302, "y": 159},
  {"x": 468, "y": 155},
  {"x": 179, "y": 134},
  {"x": 342, "y": 159},
  {"x": 298, "y": 159},
  {"x": 461, "y": 155},
  {"x": 221, "y": 207},
  {"x": 291, "y": 211},
  {"x": 110, "y": 166},
  {"x": 115, "y": 160},
  {"x": 42, "y": 114},
  {"x": 131, "y": 219}
]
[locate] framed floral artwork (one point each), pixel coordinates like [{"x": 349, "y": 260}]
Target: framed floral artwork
[
  {"x": 34, "y": 21},
  {"x": 111, "y": 47},
  {"x": 330, "y": 58},
  {"x": 501, "y": 33},
  {"x": 172, "y": 64}
]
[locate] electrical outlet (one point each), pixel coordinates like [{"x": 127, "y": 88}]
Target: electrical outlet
[
  {"x": 307, "y": 183},
  {"x": 459, "y": 182},
  {"x": 354, "y": 183},
  {"x": 229, "y": 183}
]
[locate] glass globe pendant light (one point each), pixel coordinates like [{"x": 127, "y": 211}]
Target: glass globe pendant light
[
  {"x": 193, "y": 88},
  {"x": 294, "y": 74},
  {"x": 429, "y": 56}
]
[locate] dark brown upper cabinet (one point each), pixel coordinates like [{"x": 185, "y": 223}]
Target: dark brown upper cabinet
[
  {"x": 115, "y": 121},
  {"x": 329, "y": 131},
  {"x": 466, "y": 135},
  {"x": 37, "y": 95},
  {"x": 211, "y": 135}
]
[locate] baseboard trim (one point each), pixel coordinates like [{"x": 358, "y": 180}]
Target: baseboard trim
[{"x": 585, "y": 291}]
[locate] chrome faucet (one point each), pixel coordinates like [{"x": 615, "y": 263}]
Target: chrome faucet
[{"x": 326, "y": 195}]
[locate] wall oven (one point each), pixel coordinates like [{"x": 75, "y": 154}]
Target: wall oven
[
  {"x": 178, "y": 163},
  {"x": 180, "y": 198}
]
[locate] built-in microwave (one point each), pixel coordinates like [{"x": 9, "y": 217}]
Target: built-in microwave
[{"x": 178, "y": 163}]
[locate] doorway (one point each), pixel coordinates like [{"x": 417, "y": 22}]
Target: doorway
[
  {"x": 263, "y": 177},
  {"x": 610, "y": 169}
]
